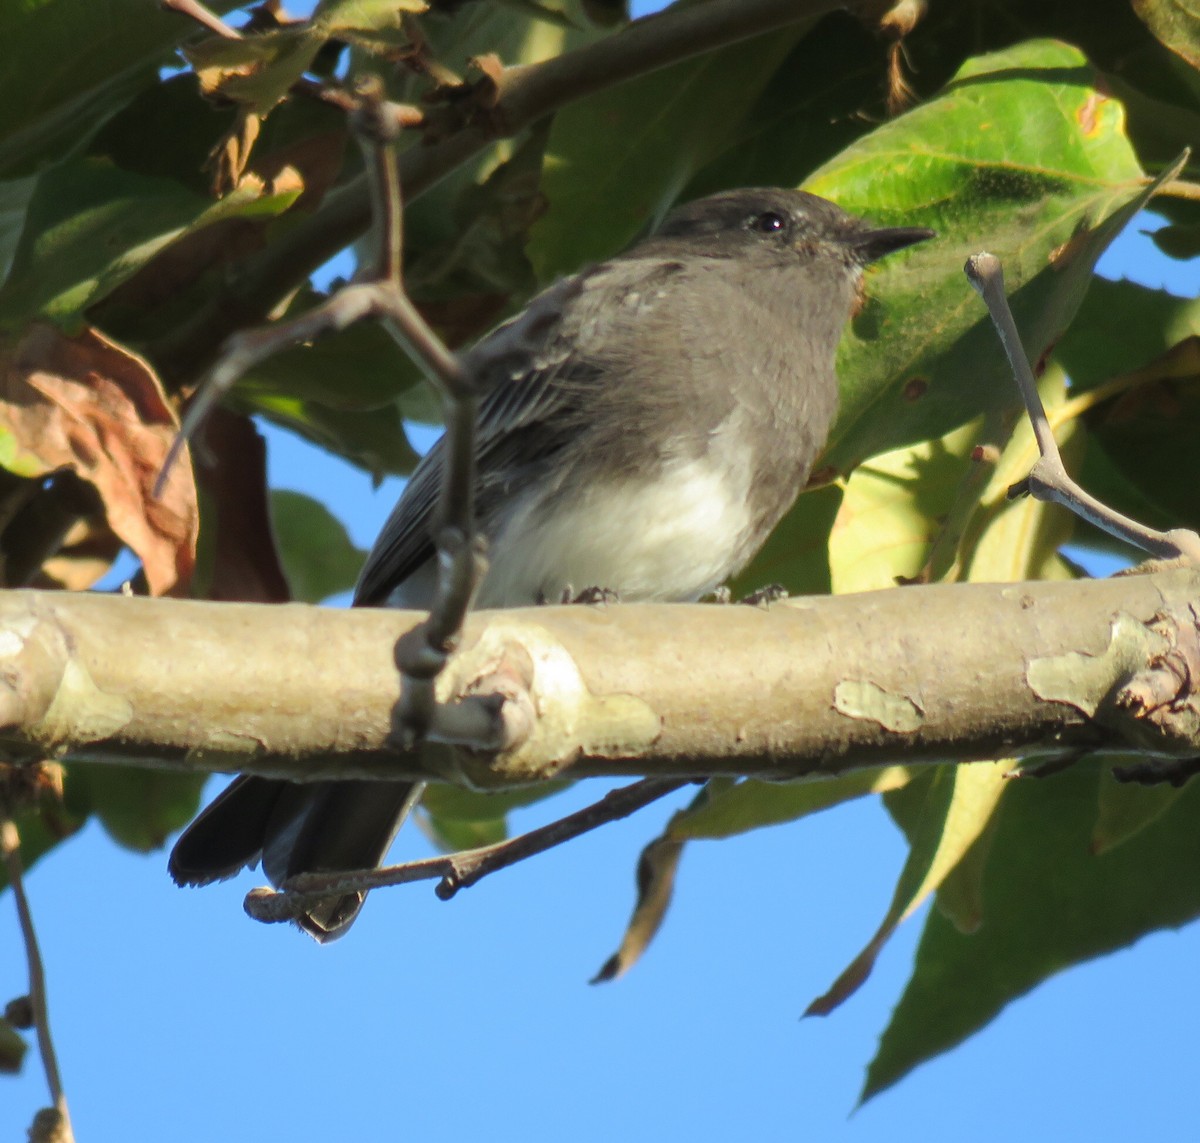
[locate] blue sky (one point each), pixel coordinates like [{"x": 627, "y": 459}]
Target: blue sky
[{"x": 177, "y": 1018}]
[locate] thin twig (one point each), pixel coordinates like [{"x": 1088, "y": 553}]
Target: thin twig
[
  {"x": 526, "y": 95},
  {"x": 1181, "y": 188},
  {"x": 422, "y": 654},
  {"x": 10, "y": 847},
  {"x": 1048, "y": 480},
  {"x": 203, "y": 16},
  {"x": 460, "y": 870}
]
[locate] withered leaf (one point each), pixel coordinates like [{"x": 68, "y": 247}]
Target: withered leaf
[{"x": 88, "y": 405}]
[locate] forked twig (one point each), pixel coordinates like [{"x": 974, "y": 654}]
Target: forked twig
[
  {"x": 459, "y": 870},
  {"x": 10, "y": 848},
  {"x": 1048, "y": 480},
  {"x": 423, "y": 653}
]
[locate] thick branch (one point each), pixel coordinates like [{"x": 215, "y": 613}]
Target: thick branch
[{"x": 920, "y": 674}]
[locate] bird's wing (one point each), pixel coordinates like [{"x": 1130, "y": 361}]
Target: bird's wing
[{"x": 533, "y": 371}]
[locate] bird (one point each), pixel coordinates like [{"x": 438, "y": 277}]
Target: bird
[{"x": 644, "y": 425}]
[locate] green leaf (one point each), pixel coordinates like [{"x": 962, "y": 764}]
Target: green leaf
[
  {"x": 48, "y": 822},
  {"x": 952, "y": 814},
  {"x": 14, "y": 201},
  {"x": 599, "y": 197},
  {"x": 453, "y": 835},
  {"x": 727, "y": 809},
  {"x": 90, "y": 226},
  {"x": 12, "y": 1048},
  {"x": 1051, "y": 903},
  {"x": 1021, "y": 154},
  {"x": 796, "y": 556},
  {"x": 319, "y": 558},
  {"x": 70, "y": 64},
  {"x": 140, "y": 808},
  {"x": 813, "y": 106},
  {"x": 465, "y": 819},
  {"x": 446, "y": 801},
  {"x": 892, "y": 512},
  {"x": 1149, "y": 433}
]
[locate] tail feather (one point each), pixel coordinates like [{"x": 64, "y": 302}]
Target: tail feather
[
  {"x": 227, "y": 836},
  {"x": 319, "y": 827}
]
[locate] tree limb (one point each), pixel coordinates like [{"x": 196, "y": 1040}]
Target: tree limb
[{"x": 808, "y": 686}]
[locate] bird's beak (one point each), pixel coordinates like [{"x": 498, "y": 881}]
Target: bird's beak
[{"x": 871, "y": 245}]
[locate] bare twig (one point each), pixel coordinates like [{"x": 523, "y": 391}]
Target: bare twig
[
  {"x": 459, "y": 870},
  {"x": 525, "y": 95},
  {"x": 10, "y": 848},
  {"x": 203, "y": 16},
  {"x": 422, "y": 655},
  {"x": 1181, "y": 188},
  {"x": 1048, "y": 480}
]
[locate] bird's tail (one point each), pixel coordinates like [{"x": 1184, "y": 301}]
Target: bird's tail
[{"x": 316, "y": 827}]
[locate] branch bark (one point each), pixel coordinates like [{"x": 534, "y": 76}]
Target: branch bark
[{"x": 809, "y": 686}]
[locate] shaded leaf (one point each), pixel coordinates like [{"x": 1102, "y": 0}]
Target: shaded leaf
[
  {"x": 610, "y": 163},
  {"x": 90, "y": 225},
  {"x": 103, "y": 55},
  {"x": 140, "y": 808},
  {"x": 48, "y": 821},
  {"x": 1051, "y": 903},
  {"x": 12, "y": 1048},
  {"x": 1176, "y": 23},
  {"x": 360, "y": 368},
  {"x": 14, "y": 201},
  {"x": 796, "y": 554},
  {"x": 318, "y": 555},
  {"x": 1122, "y": 327},
  {"x": 1149, "y": 432},
  {"x": 90, "y": 406},
  {"x": 1126, "y": 808}
]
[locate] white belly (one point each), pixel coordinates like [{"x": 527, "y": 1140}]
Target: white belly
[{"x": 673, "y": 538}]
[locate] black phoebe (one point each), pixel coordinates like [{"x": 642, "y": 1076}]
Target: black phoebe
[{"x": 645, "y": 425}]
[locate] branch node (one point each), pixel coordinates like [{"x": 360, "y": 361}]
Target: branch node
[{"x": 1048, "y": 480}]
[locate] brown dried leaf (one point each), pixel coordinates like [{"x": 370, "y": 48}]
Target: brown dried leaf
[
  {"x": 655, "y": 885},
  {"x": 88, "y": 405},
  {"x": 231, "y": 155}
]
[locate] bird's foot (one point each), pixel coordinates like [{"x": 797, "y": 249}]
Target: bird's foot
[
  {"x": 772, "y": 593},
  {"x": 590, "y": 595}
]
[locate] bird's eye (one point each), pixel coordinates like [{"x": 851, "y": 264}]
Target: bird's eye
[{"x": 768, "y": 222}]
